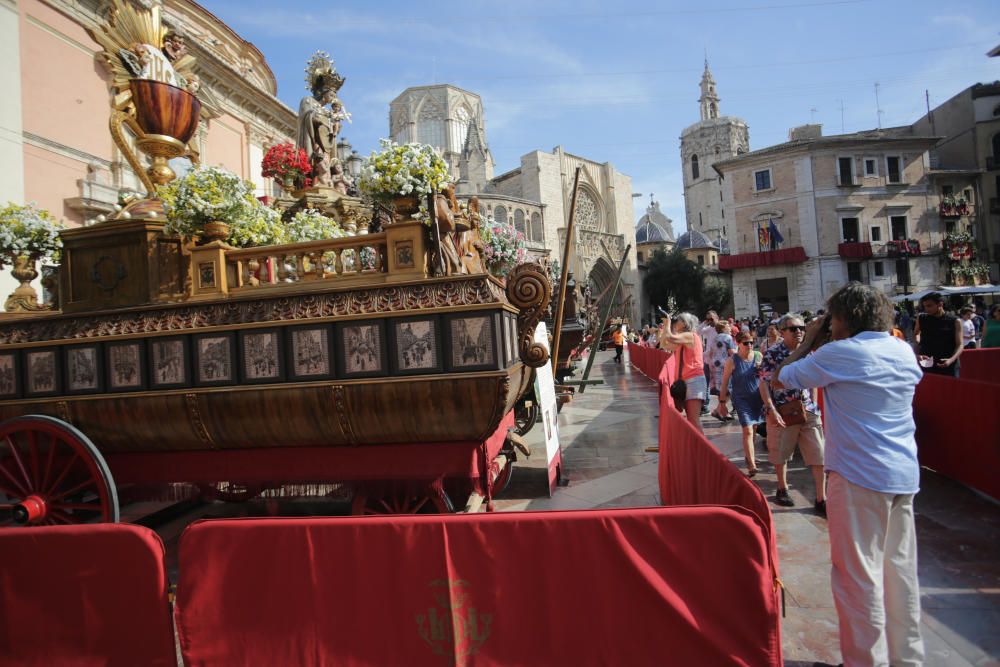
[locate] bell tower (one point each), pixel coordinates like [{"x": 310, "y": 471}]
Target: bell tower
[
  {"x": 712, "y": 139},
  {"x": 709, "y": 99}
]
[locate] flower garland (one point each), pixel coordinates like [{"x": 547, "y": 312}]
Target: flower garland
[
  {"x": 29, "y": 231},
  {"x": 203, "y": 195},
  {"x": 504, "y": 246},
  {"x": 286, "y": 162},
  {"x": 402, "y": 171}
]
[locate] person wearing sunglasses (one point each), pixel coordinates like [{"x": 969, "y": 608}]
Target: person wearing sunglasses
[
  {"x": 792, "y": 418},
  {"x": 868, "y": 379},
  {"x": 742, "y": 369}
]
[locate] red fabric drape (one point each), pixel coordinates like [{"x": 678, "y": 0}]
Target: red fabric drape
[
  {"x": 860, "y": 250},
  {"x": 84, "y": 595},
  {"x": 958, "y": 430},
  {"x": 795, "y": 255},
  {"x": 683, "y": 586},
  {"x": 982, "y": 365},
  {"x": 311, "y": 464}
]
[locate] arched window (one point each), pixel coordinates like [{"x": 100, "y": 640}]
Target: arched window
[
  {"x": 519, "y": 221},
  {"x": 713, "y": 111},
  {"x": 694, "y": 167},
  {"x": 500, "y": 215},
  {"x": 536, "y": 228}
]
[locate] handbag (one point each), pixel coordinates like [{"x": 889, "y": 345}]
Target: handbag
[
  {"x": 678, "y": 390},
  {"x": 792, "y": 413}
]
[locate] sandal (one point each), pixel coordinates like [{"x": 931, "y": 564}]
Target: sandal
[{"x": 751, "y": 472}]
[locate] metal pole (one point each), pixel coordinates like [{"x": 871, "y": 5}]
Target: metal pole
[
  {"x": 557, "y": 326},
  {"x": 604, "y": 318}
]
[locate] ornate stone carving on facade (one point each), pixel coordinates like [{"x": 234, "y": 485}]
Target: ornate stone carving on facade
[{"x": 466, "y": 291}]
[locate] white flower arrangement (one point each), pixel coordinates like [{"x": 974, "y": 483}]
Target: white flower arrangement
[
  {"x": 203, "y": 195},
  {"x": 29, "y": 231},
  {"x": 261, "y": 226},
  {"x": 310, "y": 225},
  {"x": 402, "y": 171}
]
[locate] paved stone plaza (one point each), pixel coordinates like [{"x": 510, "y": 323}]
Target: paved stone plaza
[{"x": 605, "y": 432}]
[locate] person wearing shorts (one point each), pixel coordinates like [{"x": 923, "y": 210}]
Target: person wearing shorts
[
  {"x": 680, "y": 337},
  {"x": 782, "y": 438}
]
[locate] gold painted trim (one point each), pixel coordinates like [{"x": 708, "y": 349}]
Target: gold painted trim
[
  {"x": 389, "y": 315},
  {"x": 195, "y": 391}
]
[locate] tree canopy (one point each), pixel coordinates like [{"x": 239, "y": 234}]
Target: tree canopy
[{"x": 692, "y": 288}]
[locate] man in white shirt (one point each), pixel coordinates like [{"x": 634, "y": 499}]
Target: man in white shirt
[
  {"x": 868, "y": 379},
  {"x": 708, "y": 334}
]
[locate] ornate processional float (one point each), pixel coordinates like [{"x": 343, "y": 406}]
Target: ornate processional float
[{"x": 351, "y": 337}]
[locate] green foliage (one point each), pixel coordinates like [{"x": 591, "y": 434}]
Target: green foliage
[{"x": 673, "y": 276}]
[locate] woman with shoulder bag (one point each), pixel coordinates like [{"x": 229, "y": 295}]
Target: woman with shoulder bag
[
  {"x": 680, "y": 337},
  {"x": 742, "y": 369}
]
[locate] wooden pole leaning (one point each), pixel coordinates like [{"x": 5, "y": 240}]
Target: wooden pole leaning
[
  {"x": 564, "y": 274},
  {"x": 604, "y": 318}
]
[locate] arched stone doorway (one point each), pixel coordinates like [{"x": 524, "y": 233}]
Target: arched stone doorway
[{"x": 602, "y": 276}]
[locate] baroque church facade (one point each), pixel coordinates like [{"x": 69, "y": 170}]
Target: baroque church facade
[
  {"x": 535, "y": 195},
  {"x": 712, "y": 139}
]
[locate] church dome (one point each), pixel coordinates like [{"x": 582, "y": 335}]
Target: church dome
[
  {"x": 695, "y": 239},
  {"x": 654, "y": 227}
]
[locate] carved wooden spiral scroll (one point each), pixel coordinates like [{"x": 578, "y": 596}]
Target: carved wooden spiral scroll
[{"x": 529, "y": 290}]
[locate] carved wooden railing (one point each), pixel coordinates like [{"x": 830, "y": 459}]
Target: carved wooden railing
[
  {"x": 395, "y": 255},
  {"x": 329, "y": 260}
]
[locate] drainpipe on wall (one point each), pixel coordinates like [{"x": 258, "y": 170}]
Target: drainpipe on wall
[{"x": 819, "y": 259}]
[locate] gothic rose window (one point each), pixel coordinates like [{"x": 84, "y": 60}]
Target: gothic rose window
[{"x": 587, "y": 214}]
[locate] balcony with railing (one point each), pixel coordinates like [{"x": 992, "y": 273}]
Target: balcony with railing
[
  {"x": 749, "y": 260},
  {"x": 855, "y": 250}
]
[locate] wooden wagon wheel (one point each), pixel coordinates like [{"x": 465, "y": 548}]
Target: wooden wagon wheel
[
  {"x": 503, "y": 479},
  {"x": 525, "y": 414},
  {"x": 51, "y": 474},
  {"x": 400, "y": 500}
]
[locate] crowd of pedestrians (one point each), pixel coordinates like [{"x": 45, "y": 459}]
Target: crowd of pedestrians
[{"x": 867, "y": 356}]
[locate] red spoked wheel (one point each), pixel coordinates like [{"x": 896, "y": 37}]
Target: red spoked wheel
[
  {"x": 402, "y": 500},
  {"x": 52, "y": 474}
]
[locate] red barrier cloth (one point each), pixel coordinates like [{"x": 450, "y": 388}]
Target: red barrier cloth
[
  {"x": 693, "y": 472},
  {"x": 84, "y": 595},
  {"x": 860, "y": 250},
  {"x": 312, "y": 464},
  {"x": 795, "y": 255},
  {"x": 657, "y": 586},
  {"x": 981, "y": 365},
  {"x": 958, "y": 430}
]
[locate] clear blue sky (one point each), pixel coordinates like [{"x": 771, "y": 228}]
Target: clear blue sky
[{"x": 618, "y": 81}]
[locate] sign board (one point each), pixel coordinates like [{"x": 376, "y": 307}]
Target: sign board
[{"x": 545, "y": 394}]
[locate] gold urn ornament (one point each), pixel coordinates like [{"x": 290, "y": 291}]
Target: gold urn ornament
[{"x": 154, "y": 96}]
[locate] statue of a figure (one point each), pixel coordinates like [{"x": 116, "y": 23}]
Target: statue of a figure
[
  {"x": 341, "y": 182},
  {"x": 320, "y": 116}
]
